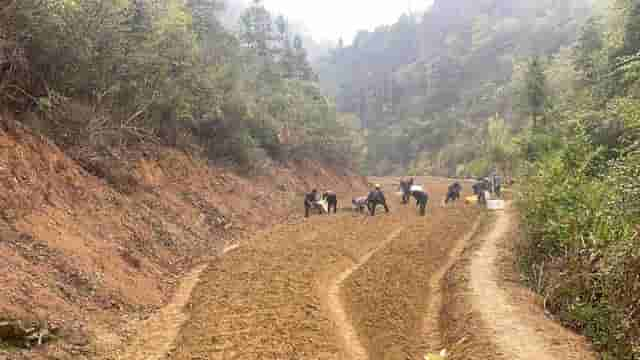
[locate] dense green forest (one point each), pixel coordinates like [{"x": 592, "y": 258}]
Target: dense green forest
[
  {"x": 546, "y": 91},
  {"x": 99, "y": 77},
  {"x": 427, "y": 87},
  {"x": 581, "y": 180}
]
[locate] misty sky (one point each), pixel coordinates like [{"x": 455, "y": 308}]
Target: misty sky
[{"x": 332, "y": 19}]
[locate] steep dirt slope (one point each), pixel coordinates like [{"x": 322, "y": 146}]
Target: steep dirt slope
[{"x": 88, "y": 255}]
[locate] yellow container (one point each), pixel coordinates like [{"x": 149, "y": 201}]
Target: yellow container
[{"x": 471, "y": 200}]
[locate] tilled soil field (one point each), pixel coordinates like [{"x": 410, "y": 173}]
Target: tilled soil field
[
  {"x": 270, "y": 299},
  {"x": 393, "y": 286},
  {"x": 389, "y": 297}
]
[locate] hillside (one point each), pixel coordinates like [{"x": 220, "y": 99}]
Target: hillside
[
  {"x": 153, "y": 160},
  {"x": 423, "y": 87},
  {"x": 86, "y": 256},
  {"x": 138, "y": 139}
]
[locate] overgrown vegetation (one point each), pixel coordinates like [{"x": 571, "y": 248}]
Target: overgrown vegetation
[
  {"x": 101, "y": 76},
  {"x": 581, "y": 188}
]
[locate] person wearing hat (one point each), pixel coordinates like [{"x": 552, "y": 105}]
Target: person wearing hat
[{"x": 375, "y": 198}]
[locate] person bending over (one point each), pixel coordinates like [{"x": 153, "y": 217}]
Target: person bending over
[
  {"x": 453, "y": 194},
  {"x": 310, "y": 202},
  {"x": 376, "y": 198},
  {"x": 332, "y": 201},
  {"x": 422, "y": 198}
]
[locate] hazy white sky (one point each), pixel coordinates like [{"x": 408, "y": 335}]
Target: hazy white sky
[{"x": 332, "y": 19}]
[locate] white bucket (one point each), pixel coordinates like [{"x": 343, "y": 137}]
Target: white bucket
[
  {"x": 495, "y": 204},
  {"x": 324, "y": 205},
  {"x": 417, "y": 188}
]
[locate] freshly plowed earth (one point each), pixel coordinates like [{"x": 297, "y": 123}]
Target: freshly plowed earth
[
  {"x": 394, "y": 286},
  {"x": 267, "y": 299},
  {"x": 389, "y": 297},
  {"x": 275, "y": 297}
]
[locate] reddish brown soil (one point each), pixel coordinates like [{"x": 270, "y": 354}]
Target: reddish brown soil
[
  {"x": 395, "y": 286},
  {"x": 103, "y": 259},
  {"x": 87, "y": 255},
  {"x": 275, "y": 297},
  {"x": 488, "y": 315},
  {"x": 389, "y": 297}
]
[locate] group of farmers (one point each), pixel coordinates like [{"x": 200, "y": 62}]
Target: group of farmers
[
  {"x": 491, "y": 184},
  {"x": 376, "y": 198}
]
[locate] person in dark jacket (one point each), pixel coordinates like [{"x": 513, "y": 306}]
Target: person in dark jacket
[
  {"x": 479, "y": 189},
  {"x": 332, "y": 201},
  {"x": 453, "y": 193},
  {"x": 376, "y": 198},
  {"x": 497, "y": 185},
  {"x": 310, "y": 201},
  {"x": 405, "y": 188},
  {"x": 422, "y": 199}
]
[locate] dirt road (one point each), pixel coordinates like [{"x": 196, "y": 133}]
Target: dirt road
[
  {"x": 512, "y": 319},
  {"x": 394, "y": 286}
]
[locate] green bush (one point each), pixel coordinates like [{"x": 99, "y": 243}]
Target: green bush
[{"x": 582, "y": 241}]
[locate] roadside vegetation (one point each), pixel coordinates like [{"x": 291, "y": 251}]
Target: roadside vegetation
[{"x": 581, "y": 183}]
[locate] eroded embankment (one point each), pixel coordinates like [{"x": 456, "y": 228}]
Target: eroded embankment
[{"x": 93, "y": 251}]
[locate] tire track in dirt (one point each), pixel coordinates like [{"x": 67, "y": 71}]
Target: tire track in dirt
[
  {"x": 389, "y": 299},
  {"x": 352, "y": 346},
  {"x": 431, "y": 328},
  {"x": 156, "y": 336},
  {"x": 268, "y": 299},
  {"x": 515, "y": 324},
  {"x": 357, "y": 290}
]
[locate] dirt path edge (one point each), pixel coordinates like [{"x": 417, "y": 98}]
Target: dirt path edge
[
  {"x": 156, "y": 336},
  {"x": 516, "y": 322},
  {"x": 431, "y": 326},
  {"x": 489, "y": 314},
  {"x": 352, "y": 346}
]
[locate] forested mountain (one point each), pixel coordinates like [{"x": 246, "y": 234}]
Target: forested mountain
[
  {"x": 425, "y": 87},
  {"x": 232, "y": 10},
  {"x": 98, "y": 75}
]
